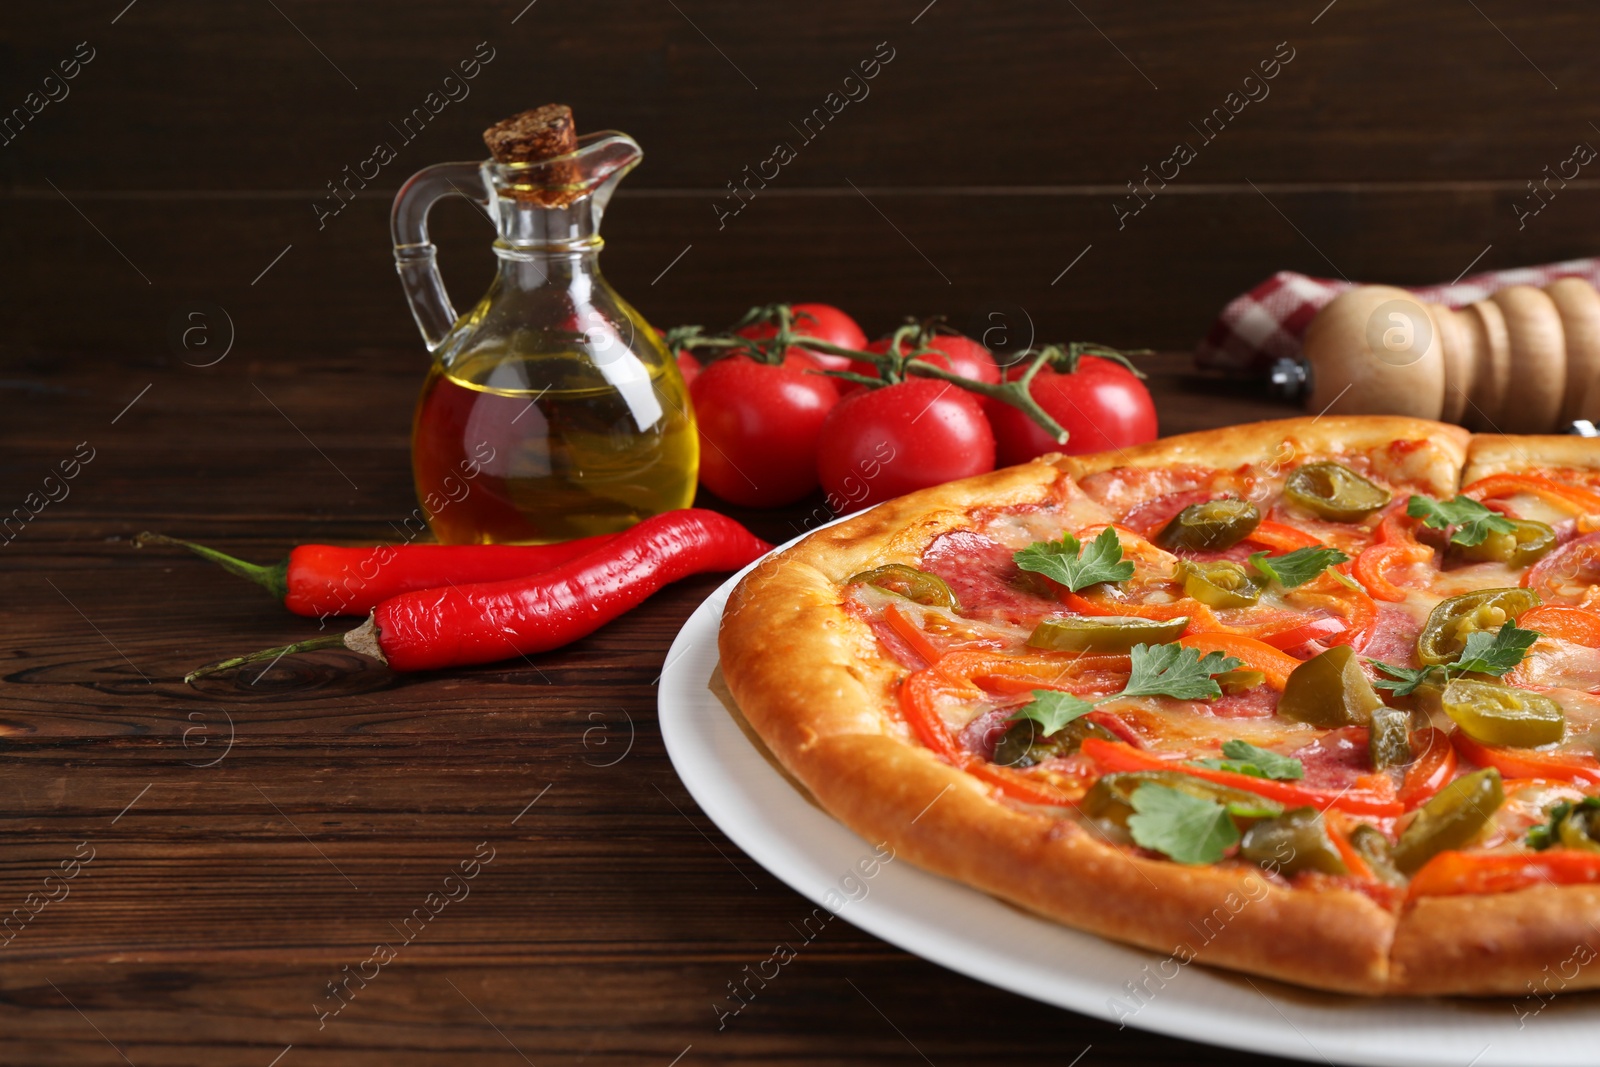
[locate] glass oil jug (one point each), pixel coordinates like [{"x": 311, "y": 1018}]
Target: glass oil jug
[{"x": 552, "y": 409}]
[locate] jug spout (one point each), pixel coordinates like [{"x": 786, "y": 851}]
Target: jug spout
[{"x": 559, "y": 202}]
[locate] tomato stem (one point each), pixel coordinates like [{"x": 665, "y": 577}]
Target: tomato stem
[
  {"x": 908, "y": 354},
  {"x": 1065, "y": 358}
]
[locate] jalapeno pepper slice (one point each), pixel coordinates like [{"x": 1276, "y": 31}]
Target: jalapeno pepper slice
[
  {"x": 1211, "y": 526},
  {"x": 914, "y": 585},
  {"x": 1389, "y": 743},
  {"x": 1239, "y": 680},
  {"x": 1333, "y": 491},
  {"x": 1023, "y": 745},
  {"x": 1329, "y": 690},
  {"x": 1444, "y": 635},
  {"x": 1293, "y": 842},
  {"x": 1369, "y": 843},
  {"x": 1451, "y": 819},
  {"x": 1500, "y": 715},
  {"x": 1105, "y": 633},
  {"x": 1218, "y": 585},
  {"x": 1528, "y": 543}
]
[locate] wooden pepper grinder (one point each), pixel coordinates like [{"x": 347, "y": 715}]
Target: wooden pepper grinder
[{"x": 1525, "y": 360}]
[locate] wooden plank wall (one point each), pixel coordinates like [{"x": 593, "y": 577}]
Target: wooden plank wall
[{"x": 991, "y": 151}]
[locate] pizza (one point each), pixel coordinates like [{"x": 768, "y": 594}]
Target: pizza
[{"x": 1314, "y": 699}]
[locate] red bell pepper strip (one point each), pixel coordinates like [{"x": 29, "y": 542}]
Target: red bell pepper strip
[
  {"x": 1323, "y": 629},
  {"x": 954, "y": 674},
  {"x": 909, "y": 632},
  {"x": 917, "y": 705},
  {"x": 1339, "y": 833},
  {"x": 1017, "y": 785},
  {"x": 1257, "y": 655},
  {"x": 1396, "y": 545},
  {"x": 1115, "y": 756},
  {"x": 1432, "y": 768},
  {"x": 322, "y": 580},
  {"x": 1577, "y": 625},
  {"x": 1458, "y": 873},
  {"x": 1529, "y": 763},
  {"x": 1280, "y": 537},
  {"x": 1575, "y": 497},
  {"x": 1374, "y": 563},
  {"x": 459, "y": 625},
  {"x": 999, "y": 672}
]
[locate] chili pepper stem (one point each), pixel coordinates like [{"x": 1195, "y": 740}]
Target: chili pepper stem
[
  {"x": 363, "y": 639},
  {"x": 273, "y": 578}
]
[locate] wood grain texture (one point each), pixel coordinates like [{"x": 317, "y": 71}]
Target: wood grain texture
[
  {"x": 226, "y": 893},
  {"x": 254, "y": 838},
  {"x": 996, "y": 146}
]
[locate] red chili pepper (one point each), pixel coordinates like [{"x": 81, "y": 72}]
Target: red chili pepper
[
  {"x": 322, "y": 580},
  {"x": 479, "y": 623}
]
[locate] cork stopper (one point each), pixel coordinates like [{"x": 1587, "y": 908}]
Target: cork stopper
[{"x": 531, "y": 136}]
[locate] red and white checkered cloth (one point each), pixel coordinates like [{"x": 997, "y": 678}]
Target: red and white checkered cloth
[{"x": 1267, "y": 323}]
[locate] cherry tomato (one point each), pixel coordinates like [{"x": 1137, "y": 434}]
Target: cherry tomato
[
  {"x": 759, "y": 427},
  {"x": 1101, "y": 405},
  {"x": 883, "y": 442},
  {"x": 959, "y": 355},
  {"x": 688, "y": 366},
  {"x": 822, "y": 321}
]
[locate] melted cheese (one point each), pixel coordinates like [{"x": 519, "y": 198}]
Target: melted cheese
[
  {"x": 1561, "y": 664},
  {"x": 1019, "y": 528},
  {"x": 1537, "y": 508}
]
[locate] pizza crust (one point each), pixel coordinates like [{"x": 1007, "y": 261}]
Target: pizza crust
[
  {"x": 1432, "y": 459},
  {"x": 813, "y": 681},
  {"x": 1500, "y": 453}
]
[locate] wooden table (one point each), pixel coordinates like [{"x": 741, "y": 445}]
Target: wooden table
[{"x": 194, "y": 875}]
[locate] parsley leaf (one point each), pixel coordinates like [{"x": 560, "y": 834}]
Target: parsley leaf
[
  {"x": 1060, "y": 561},
  {"x": 1473, "y": 522},
  {"x": 1245, "y": 758},
  {"x": 1051, "y": 710},
  {"x": 1175, "y": 671},
  {"x": 1484, "y": 653},
  {"x": 1294, "y": 569},
  {"x": 1181, "y": 826},
  {"x": 1495, "y": 653},
  {"x": 1402, "y": 680}
]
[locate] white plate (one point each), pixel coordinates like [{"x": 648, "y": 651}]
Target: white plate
[{"x": 976, "y": 935}]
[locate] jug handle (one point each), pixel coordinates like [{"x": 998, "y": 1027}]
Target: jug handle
[{"x": 415, "y": 257}]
